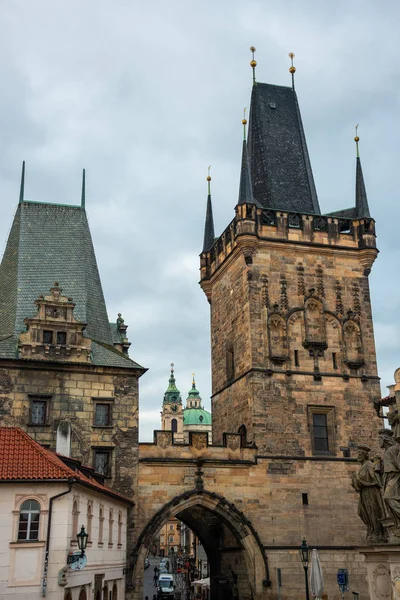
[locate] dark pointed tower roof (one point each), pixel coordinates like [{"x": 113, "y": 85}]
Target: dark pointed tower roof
[
  {"x": 280, "y": 167},
  {"x": 209, "y": 235},
  {"x": 47, "y": 243},
  {"x": 172, "y": 394},
  {"x": 362, "y": 208}
]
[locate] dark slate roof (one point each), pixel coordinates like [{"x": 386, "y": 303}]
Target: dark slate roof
[
  {"x": 209, "y": 235},
  {"x": 345, "y": 213},
  {"x": 48, "y": 243},
  {"x": 245, "y": 187},
  {"x": 280, "y": 166},
  {"x": 361, "y": 194}
]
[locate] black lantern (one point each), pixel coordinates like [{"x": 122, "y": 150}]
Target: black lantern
[
  {"x": 82, "y": 538},
  {"x": 304, "y": 551}
]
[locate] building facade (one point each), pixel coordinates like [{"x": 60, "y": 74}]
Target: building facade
[{"x": 44, "y": 503}]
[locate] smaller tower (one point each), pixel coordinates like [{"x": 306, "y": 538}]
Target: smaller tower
[
  {"x": 172, "y": 409},
  {"x": 195, "y": 417}
]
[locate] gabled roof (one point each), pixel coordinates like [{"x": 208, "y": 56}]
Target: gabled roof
[
  {"x": 47, "y": 243},
  {"x": 23, "y": 459},
  {"x": 281, "y": 172}
]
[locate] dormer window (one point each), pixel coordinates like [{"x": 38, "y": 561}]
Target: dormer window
[
  {"x": 47, "y": 337},
  {"x": 61, "y": 338}
]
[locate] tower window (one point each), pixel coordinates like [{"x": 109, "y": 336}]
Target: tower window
[
  {"x": 61, "y": 338},
  {"x": 320, "y": 433},
  {"x": 296, "y": 358},
  {"x": 38, "y": 411},
  {"x": 102, "y": 415},
  {"x": 102, "y": 462},
  {"x": 334, "y": 360},
  {"x": 304, "y": 498},
  {"x": 174, "y": 425},
  {"x": 47, "y": 337},
  {"x": 230, "y": 364}
]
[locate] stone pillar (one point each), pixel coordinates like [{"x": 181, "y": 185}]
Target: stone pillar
[{"x": 383, "y": 571}]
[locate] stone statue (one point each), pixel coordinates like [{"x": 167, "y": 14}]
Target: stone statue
[
  {"x": 394, "y": 421},
  {"x": 391, "y": 475},
  {"x": 371, "y": 509}
]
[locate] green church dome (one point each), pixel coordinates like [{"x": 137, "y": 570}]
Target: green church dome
[{"x": 196, "y": 416}]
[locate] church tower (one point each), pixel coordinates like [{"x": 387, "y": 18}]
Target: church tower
[
  {"x": 293, "y": 354},
  {"x": 172, "y": 409}
]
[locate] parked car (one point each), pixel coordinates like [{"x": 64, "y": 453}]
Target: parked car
[
  {"x": 146, "y": 563},
  {"x": 166, "y": 586}
]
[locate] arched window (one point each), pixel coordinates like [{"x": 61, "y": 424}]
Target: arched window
[
  {"x": 115, "y": 592},
  {"x": 89, "y": 518},
  {"x": 174, "y": 425},
  {"x": 82, "y": 594},
  {"x": 243, "y": 435},
  {"x": 67, "y": 595},
  {"x": 105, "y": 592},
  {"x": 119, "y": 529},
  {"x": 110, "y": 527},
  {"x": 101, "y": 524},
  {"x": 75, "y": 518},
  {"x": 29, "y": 516}
]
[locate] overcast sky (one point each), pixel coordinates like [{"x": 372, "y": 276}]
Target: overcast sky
[{"x": 145, "y": 95}]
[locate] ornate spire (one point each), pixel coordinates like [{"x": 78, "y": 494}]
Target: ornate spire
[
  {"x": 22, "y": 186},
  {"x": 209, "y": 235},
  {"x": 83, "y": 195},
  {"x": 362, "y": 208},
  {"x": 253, "y": 63},
  {"x": 245, "y": 188},
  {"x": 292, "y": 68},
  {"x": 172, "y": 394}
]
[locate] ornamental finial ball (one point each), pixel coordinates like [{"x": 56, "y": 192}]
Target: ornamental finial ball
[
  {"x": 208, "y": 178},
  {"x": 244, "y": 122},
  {"x": 356, "y": 139},
  {"x": 292, "y": 70},
  {"x": 253, "y": 63},
  {"x": 252, "y": 49}
]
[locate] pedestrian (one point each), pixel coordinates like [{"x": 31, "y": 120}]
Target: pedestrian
[
  {"x": 146, "y": 598},
  {"x": 154, "y": 597},
  {"x": 155, "y": 580},
  {"x": 156, "y": 570}
]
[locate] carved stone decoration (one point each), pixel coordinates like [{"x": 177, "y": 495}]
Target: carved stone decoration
[
  {"x": 391, "y": 477},
  {"x": 164, "y": 439},
  {"x": 382, "y": 583},
  {"x": 265, "y": 291},
  {"x": 339, "y": 302},
  {"x": 301, "y": 288},
  {"x": 356, "y": 300},
  {"x": 198, "y": 440},
  {"x": 54, "y": 334},
  {"x": 277, "y": 337},
  {"x": 284, "y": 297},
  {"x": 320, "y": 282},
  {"x": 315, "y": 323},
  {"x": 352, "y": 343},
  {"x": 371, "y": 509}
]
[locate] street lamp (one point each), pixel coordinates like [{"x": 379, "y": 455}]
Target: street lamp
[
  {"x": 305, "y": 557},
  {"x": 82, "y": 538}
]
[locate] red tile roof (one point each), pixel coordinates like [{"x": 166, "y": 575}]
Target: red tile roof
[{"x": 23, "y": 459}]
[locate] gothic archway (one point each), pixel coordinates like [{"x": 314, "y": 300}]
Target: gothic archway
[{"x": 233, "y": 547}]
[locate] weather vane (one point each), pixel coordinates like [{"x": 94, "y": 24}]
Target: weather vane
[
  {"x": 292, "y": 68},
  {"x": 253, "y": 63}
]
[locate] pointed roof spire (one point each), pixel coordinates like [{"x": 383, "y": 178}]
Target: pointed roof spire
[
  {"x": 209, "y": 235},
  {"x": 22, "y": 186},
  {"x": 245, "y": 188},
  {"x": 83, "y": 194},
  {"x": 362, "y": 208},
  {"x": 292, "y": 68},
  {"x": 172, "y": 394},
  {"x": 253, "y": 63}
]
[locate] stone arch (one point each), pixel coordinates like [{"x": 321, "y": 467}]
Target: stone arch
[
  {"x": 314, "y": 320},
  {"x": 352, "y": 344},
  {"x": 277, "y": 337},
  {"x": 296, "y": 333},
  {"x": 209, "y": 514},
  {"x": 332, "y": 360}
]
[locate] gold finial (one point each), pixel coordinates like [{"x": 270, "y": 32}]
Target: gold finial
[
  {"x": 253, "y": 63},
  {"x": 209, "y": 181},
  {"x": 193, "y": 381},
  {"x": 292, "y": 68},
  {"x": 244, "y": 123},
  {"x": 172, "y": 367},
  {"x": 357, "y": 139}
]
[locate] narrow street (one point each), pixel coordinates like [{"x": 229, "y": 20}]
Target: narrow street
[{"x": 150, "y": 590}]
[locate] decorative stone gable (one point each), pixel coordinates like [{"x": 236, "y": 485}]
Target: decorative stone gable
[{"x": 54, "y": 334}]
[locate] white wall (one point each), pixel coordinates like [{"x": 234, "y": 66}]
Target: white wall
[{"x": 21, "y": 563}]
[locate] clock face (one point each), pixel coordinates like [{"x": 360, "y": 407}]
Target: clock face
[
  {"x": 78, "y": 563},
  {"x": 174, "y": 408}
]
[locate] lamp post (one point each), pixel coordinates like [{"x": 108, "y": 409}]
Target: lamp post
[
  {"x": 305, "y": 557},
  {"x": 82, "y": 538}
]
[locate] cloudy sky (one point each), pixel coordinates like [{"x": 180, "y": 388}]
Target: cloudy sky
[{"x": 145, "y": 95}]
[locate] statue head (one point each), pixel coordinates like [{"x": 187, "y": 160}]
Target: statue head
[
  {"x": 363, "y": 452},
  {"x": 385, "y": 438}
]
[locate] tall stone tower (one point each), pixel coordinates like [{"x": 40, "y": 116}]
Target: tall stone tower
[
  {"x": 172, "y": 409},
  {"x": 293, "y": 355}
]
